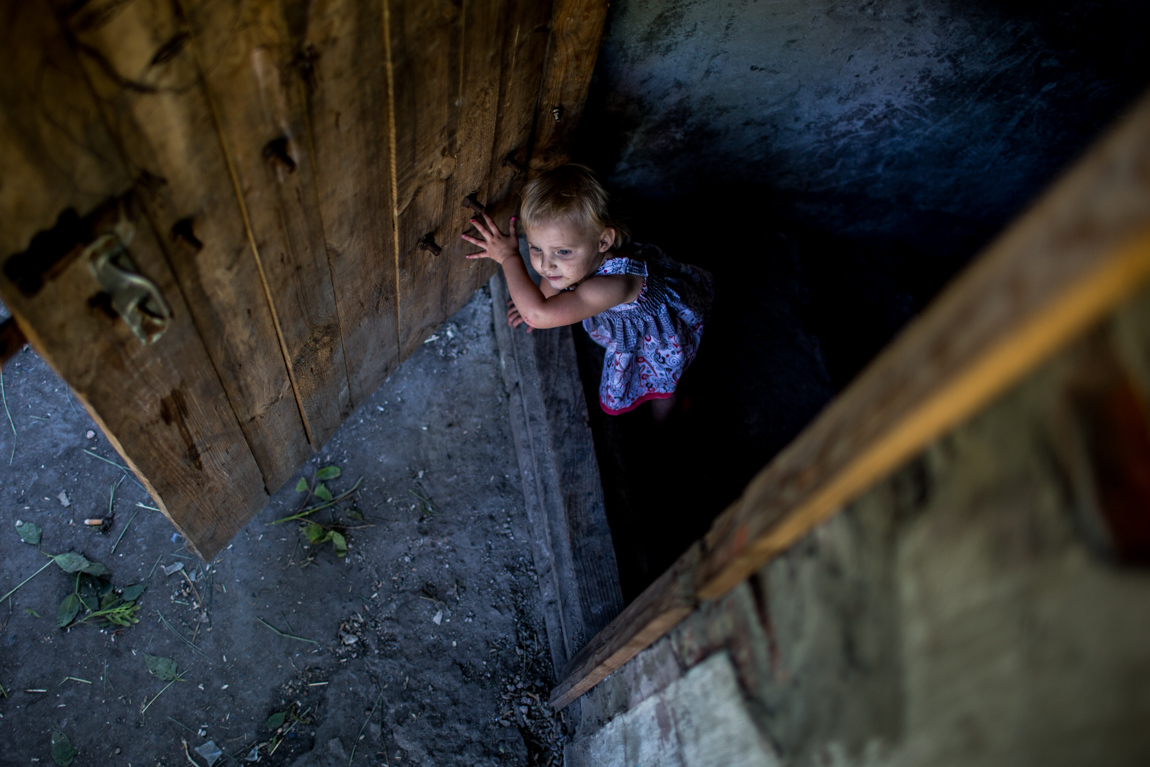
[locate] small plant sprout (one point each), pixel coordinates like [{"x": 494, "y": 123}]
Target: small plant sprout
[
  {"x": 319, "y": 533},
  {"x": 93, "y": 599}
]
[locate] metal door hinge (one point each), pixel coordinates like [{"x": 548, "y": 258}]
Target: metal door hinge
[{"x": 134, "y": 297}]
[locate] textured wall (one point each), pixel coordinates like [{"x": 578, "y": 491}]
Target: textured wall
[
  {"x": 964, "y": 612},
  {"x": 927, "y": 121}
]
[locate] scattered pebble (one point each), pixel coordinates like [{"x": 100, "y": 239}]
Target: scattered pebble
[
  {"x": 89, "y": 434},
  {"x": 64, "y": 499}
]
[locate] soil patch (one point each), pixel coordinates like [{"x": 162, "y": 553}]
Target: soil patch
[{"x": 423, "y": 645}]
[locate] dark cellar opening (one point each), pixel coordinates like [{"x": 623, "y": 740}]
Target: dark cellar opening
[{"x": 833, "y": 166}]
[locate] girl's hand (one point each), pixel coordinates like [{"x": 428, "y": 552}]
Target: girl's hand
[
  {"x": 495, "y": 244},
  {"x": 513, "y": 317}
]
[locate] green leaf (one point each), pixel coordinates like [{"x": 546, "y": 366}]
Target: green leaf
[
  {"x": 301, "y": 486},
  {"x": 68, "y": 610},
  {"x": 315, "y": 533},
  {"x": 30, "y": 611},
  {"x": 28, "y": 532},
  {"x": 98, "y": 570},
  {"x": 276, "y": 720},
  {"x": 133, "y": 592},
  {"x": 340, "y": 544},
  {"x": 356, "y": 515},
  {"x": 62, "y": 751},
  {"x": 71, "y": 562},
  {"x": 322, "y": 492},
  {"x": 88, "y": 590},
  {"x": 163, "y": 669},
  {"x": 328, "y": 472}
]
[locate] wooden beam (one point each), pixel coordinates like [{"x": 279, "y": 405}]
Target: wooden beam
[
  {"x": 576, "y": 29},
  {"x": 150, "y": 90},
  {"x": 348, "y": 119},
  {"x": 161, "y": 405},
  {"x": 254, "y": 75},
  {"x": 657, "y": 610},
  {"x": 1081, "y": 250}
]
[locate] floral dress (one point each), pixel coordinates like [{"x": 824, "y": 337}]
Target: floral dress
[{"x": 652, "y": 340}]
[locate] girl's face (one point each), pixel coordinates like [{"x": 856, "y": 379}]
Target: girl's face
[{"x": 564, "y": 254}]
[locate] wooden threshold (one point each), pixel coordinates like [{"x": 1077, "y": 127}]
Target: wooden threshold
[{"x": 1082, "y": 249}]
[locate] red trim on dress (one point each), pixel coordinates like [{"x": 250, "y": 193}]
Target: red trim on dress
[{"x": 638, "y": 402}]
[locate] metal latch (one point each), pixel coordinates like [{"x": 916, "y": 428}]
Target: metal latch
[{"x": 135, "y": 298}]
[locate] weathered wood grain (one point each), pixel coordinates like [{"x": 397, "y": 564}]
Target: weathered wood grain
[
  {"x": 665, "y": 603},
  {"x": 576, "y": 29},
  {"x": 525, "y": 34},
  {"x": 149, "y": 88},
  {"x": 480, "y": 75},
  {"x": 255, "y": 71},
  {"x": 572, "y": 546},
  {"x": 162, "y": 406},
  {"x": 1082, "y": 249},
  {"x": 56, "y": 153},
  {"x": 348, "y": 116},
  {"x": 423, "y": 50}
]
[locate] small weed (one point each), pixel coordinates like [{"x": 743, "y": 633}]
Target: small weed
[
  {"x": 318, "y": 533},
  {"x": 281, "y": 723},
  {"x": 93, "y": 600}
]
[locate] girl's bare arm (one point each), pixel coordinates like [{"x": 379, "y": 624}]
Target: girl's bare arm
[{"x": 537, "y": 309}]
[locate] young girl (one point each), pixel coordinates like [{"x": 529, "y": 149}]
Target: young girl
[{"x": 644, "y": 308}]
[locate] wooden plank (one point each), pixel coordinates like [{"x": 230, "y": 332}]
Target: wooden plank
[
  {"x": 576, "y": 30},
  {"x": 572, "y": 546},
  {"x": 56, "y": 153},
  {"x": 1081, "y": 250},
  {"x": 570, "y": 447},
  {"x": 480, "y": 76},
  {"x": 526, "y": 32},
  {"x": 252, "y": 67},
  {"x": 348, "y": 117},
  {"x": 162, "y": 406},
  {"x": 149, "y": 88},
  {"x": 664, "y": 604},
  {"x": 423, "y": 46}
]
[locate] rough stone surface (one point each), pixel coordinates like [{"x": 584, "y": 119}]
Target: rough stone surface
[
  {"x": 919, "y": 120},
  {"x": 697, "y": 721}
]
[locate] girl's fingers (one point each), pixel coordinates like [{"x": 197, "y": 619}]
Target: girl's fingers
[{"x": 512, "y": 233}]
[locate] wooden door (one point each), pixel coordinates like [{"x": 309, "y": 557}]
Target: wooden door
[{"x": 285, "y": 180}]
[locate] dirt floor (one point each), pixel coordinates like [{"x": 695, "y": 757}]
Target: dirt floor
[{"x": 423, "y": 646}]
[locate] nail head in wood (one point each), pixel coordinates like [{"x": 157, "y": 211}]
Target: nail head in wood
[
  {"x": 427, "y": 242},
  {"x": 510, "y": 162},
  {"x": 471, "y": 202}
]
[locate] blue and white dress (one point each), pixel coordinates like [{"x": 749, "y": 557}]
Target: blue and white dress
[{"x": 652, "y": 340}]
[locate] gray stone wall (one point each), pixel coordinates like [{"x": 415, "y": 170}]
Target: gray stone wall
[{"x": 927, "y": 121}]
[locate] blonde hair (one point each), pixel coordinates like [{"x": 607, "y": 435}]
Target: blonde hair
[{"x": 569, "y": 193}]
